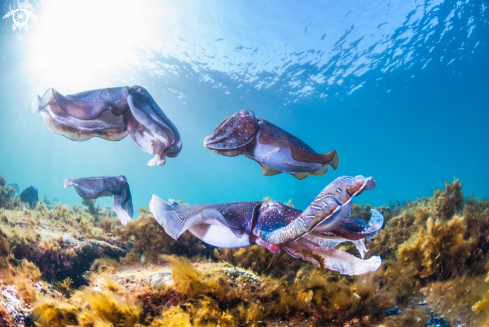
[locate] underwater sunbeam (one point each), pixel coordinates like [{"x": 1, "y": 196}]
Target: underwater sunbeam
[{"x": 81, "y": 41}]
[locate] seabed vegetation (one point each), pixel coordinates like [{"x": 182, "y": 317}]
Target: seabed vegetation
[{"x": 78, "y": 266}]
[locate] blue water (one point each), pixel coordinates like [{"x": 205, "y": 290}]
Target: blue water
[{"x": 399, "y": 88}]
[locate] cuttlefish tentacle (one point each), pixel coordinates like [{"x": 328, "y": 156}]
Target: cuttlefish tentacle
[
  {"x": 332, "y": 259},
  {"x": 324, "y": 210},
  {"x": 276, "y": 150},
  {"x": 95, "y": 187},
  {"x": 112, "y": 114},
  {"x": 374, "y": 225}
]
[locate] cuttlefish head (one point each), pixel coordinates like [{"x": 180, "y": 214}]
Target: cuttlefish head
[
  {"x": 121, "y": 181},
  {"x": 233, "y": 134}
]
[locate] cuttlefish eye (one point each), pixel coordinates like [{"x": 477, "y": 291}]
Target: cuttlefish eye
[
  {"x": 272, "y": 205},
  {"x": 139, "y": 89},
  {"x": 245, "y": 113}
]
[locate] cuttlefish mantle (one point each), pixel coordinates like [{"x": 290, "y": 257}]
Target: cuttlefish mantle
[
  {"x": 95, "y": 187},
  {"x": 276, "y": 150},
  {"x": 311, "y": 235},
  {"x": 112, "y": 114}
]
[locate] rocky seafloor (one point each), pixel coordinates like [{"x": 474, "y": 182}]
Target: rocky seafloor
[{"x": 77, "y": 266}]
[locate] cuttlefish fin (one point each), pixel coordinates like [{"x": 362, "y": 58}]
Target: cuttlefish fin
[
  {"x": 321, "y": 171},
  {"x": 299, "y": 154},
  {"x": 330, "y": 158},
  {"x": 268, "y": 171},
  {"x": 165, "y": 217},
  {"x": 175, "y": 227},
  {"x": 67, "y": 182},
  {"x": 301, "y": 176},
  {"x": 209, "y": 217}
]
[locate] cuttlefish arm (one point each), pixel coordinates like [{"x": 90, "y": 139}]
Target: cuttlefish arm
[
  {"x": 319, "y": 247},
  {"x": 95, "y": 187},
  {"x": 375, "y": 223},
  {"x": 224, "y": 225},
  {"x": 151, "y": 129},
  {"x": 332, "y": 258},
  {"x": 323, "y": 211}
]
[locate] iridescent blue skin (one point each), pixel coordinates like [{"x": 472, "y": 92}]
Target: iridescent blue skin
[
  {"x": 95, "y": 187},
  {"x": 276, "y": 150},
  {"x": 310, "y": 234},
  {"x": 112, "y": 114}
]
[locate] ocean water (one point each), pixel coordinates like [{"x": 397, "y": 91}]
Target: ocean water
[{"x": 399, "y": 88}]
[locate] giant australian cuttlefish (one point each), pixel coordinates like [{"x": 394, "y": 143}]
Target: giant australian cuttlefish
[
  {"x": 111, "y": 114},
  {"x": 311, "y": 235},
  {"x": 276, "y": 150},
  {"x": 95, "y": 187}
]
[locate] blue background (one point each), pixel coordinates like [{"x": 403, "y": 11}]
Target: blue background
[{"x": 401, "y": 90}]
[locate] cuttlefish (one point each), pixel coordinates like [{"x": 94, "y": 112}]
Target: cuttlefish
[
  {"x": 111, "y": 114},
  {"x": 311, "y": 235},
  {"x": 276, "y": 150},
  {"x": 95, "y": 187}
]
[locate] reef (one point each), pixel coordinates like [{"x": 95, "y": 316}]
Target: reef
[{"x": 78, "y": 266}]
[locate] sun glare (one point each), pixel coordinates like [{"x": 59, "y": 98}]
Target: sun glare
[{"x": 82, "y": 42}]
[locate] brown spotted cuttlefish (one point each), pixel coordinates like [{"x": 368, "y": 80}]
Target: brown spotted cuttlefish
[
  {"x": 311, "y": 235},
  {"x": 276, "y": 150}
]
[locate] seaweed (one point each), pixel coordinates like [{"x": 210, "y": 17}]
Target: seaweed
[
  {"x": 64, "y": 287},
  {"x": 90, "y": 207},
  {"x": 150, "y": 240},
  {"x": 7, "y": 199},
  {"x": 434, "y": 250}
]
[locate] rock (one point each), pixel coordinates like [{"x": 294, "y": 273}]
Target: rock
[
  {"x": 30, "y": 196},
  {"x": 11, "y": 301},
  {"x": 161, "y": 279},
  {"x": 61, "y": 256}
]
